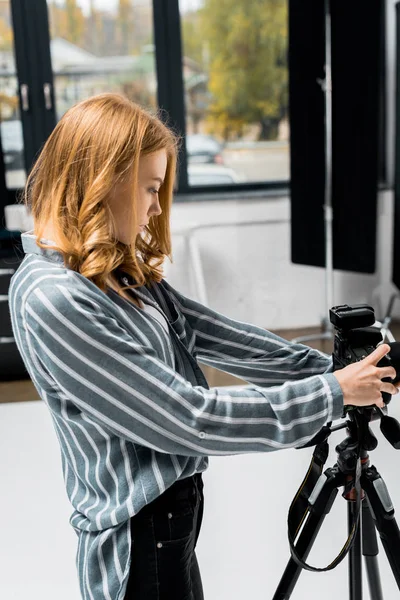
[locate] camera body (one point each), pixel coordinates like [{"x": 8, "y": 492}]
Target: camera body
[{"x": 355, "y": 337}]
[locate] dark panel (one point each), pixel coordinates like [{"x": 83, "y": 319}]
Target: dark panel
[
  {"x": 307, "y": 137},
  {"x": 356, "y": 79},
  {"x": 383, "y": 175},
  {"x": 396, "y": 236},
  {"x": 357, "y": 30}
]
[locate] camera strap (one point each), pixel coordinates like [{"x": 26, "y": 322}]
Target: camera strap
[{"x": 301, "y": 507}]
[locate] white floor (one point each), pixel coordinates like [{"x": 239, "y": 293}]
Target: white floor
[{"x": 242, "y": 548}]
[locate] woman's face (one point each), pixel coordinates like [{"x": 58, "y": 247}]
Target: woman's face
[{"x": 151, "y": 175}]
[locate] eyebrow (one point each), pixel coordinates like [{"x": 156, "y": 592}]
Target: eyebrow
[{"x": 158, "y": 179}]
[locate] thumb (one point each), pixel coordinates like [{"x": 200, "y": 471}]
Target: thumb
[{"x": 378, "y": 353}]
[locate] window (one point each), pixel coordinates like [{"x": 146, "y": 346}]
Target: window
[
  {"x": 216, "y": 68},
  {"x": 235, "y": 76}
]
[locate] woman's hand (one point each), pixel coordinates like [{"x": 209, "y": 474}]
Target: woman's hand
[{"x": 361, "y": 382}]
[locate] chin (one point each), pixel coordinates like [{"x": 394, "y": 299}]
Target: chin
[{"x": 127, "y": 239}]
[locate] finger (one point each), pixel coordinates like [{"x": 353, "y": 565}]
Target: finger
[
  {"x": 386, "y": 372},
  {"x": 377, "y": 354},
  {"x": 380, "y": 403},
  {"x": 389, "y": 388}
]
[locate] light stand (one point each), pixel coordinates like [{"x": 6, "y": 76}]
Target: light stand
[{"x": 326, "y": 85}]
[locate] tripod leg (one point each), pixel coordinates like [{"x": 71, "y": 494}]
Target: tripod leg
[
  {"x": 321, "y": 505},
  {"x": 355, "y": 575},
  {"x": 370, "y": 552},
  {"x": 303, "y": 547},
  {"x": 383, "y": 514}
]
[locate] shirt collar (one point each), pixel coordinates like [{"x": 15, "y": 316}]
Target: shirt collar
[{"x": 28, "y": 240}]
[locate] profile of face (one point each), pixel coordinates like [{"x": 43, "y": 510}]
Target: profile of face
[{"x": 151, "y": 175}]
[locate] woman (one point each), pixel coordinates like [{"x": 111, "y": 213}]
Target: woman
[{"x": 112, "y": 349}]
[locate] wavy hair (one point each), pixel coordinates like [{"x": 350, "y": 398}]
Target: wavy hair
[{"x": 96, "y": 144}]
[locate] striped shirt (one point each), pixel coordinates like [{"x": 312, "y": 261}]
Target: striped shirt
[{"x": 131, "y": 407}]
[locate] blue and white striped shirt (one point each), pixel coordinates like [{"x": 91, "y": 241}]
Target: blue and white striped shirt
[{"x": 131, "y": 407}]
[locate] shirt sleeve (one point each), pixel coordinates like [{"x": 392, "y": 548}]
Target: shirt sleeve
[
  {"x": 87, "y": 355},
  {"x": 252, "y": 353}
]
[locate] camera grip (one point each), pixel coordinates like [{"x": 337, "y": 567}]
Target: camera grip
[
  {"x": 394, "y": 359},
  {"x": 385, "y": 395},
  {"x": 386, "y": 362}
]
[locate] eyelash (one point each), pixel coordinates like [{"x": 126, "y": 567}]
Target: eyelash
[{"x": 153, "y": 191}]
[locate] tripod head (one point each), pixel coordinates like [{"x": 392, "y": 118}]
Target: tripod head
[{"x": 357, "y": 423}]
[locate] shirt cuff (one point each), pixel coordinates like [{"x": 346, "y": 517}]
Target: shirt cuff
[{"x": 335, "y": 397}]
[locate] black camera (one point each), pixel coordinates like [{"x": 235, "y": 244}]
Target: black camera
[{"x": 355, "y": 338}]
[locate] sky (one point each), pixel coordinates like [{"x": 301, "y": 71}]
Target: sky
[{"x": 111, "y": 5}]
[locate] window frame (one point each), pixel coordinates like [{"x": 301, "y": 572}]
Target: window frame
[
  {"x": 33, "y": 68},
  {"x": 33, "y": 65}
]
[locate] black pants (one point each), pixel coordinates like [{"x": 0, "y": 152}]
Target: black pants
[{"x": 164, "y": 536}]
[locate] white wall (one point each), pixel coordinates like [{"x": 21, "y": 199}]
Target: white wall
[{"x": 248, "y": 271}]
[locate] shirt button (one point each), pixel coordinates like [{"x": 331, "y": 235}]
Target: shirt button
[
  {"x": 202, "y": 435},
  {"x": 159, "y": 545}
]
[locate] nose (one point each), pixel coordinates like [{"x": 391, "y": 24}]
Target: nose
[{"x": 155, "y": 209}]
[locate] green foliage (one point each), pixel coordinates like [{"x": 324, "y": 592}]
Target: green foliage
[
  {"x": 125, "y": 25},
  {"x": 192, "y": 43},
  {"x": 248, "y": 64},
  {"x": 6, "y": 35},
  {"x": 75, "y": 22}
]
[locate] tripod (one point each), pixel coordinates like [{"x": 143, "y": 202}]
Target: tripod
[{"x": 377, "y": 508}]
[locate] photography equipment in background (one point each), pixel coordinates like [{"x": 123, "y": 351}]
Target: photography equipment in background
[
  {"x": 355, "y": 338},
  {"x": 334, "y": 135},
  {"x": 326, "y": 87}
]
